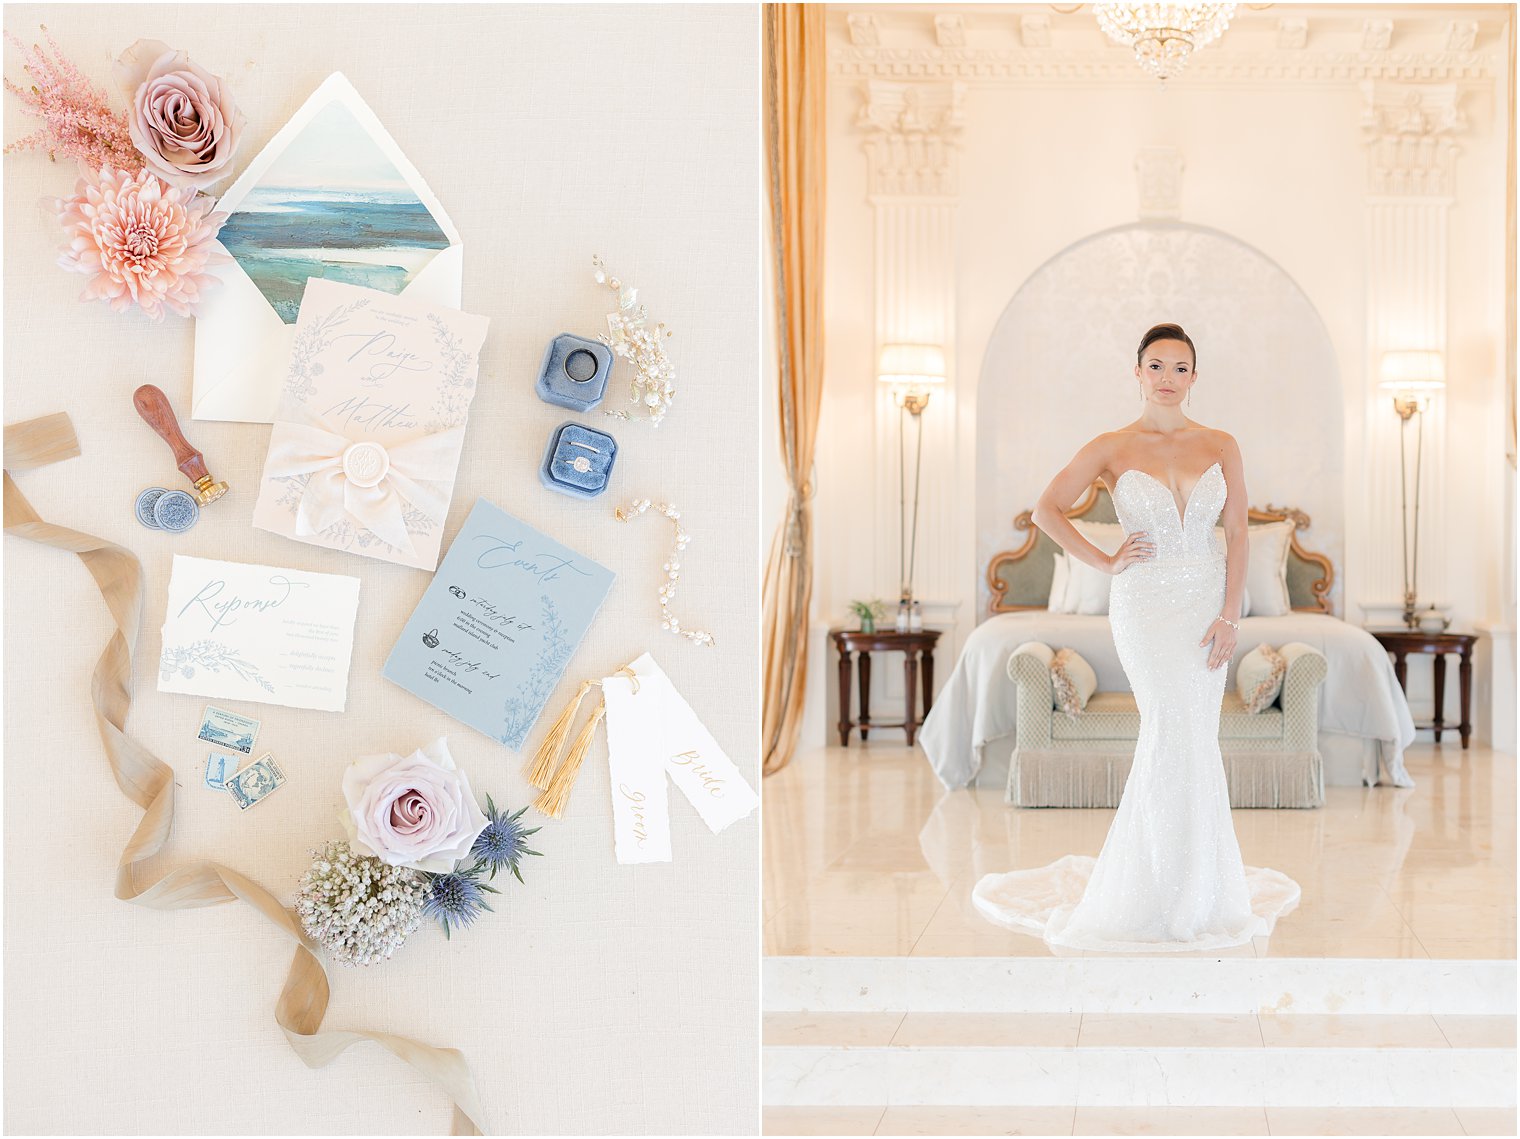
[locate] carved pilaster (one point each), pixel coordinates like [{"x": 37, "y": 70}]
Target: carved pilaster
[{"x": 1411, "y": 154}]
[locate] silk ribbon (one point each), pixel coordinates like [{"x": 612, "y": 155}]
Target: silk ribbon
[
  {"x": 419, "y": 473},
  {"x": 149, "y": 782}
]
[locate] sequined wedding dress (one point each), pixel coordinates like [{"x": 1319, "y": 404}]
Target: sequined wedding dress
[{"x": 1170, "y": 875}]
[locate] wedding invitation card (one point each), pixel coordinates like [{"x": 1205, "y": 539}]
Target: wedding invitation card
[
  {"x": 492, "y": 635},
  {"x": 248, "y": 632},
  {"x": 366, "y": 444}
]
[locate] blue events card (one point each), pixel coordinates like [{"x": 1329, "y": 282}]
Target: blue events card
[{"x": 492, "y": 635}]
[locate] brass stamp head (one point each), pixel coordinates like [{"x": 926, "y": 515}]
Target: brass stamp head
[{"x": 208, "y": 491}]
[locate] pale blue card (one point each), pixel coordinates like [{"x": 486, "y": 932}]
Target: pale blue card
[{"x": 492, "y": 635}]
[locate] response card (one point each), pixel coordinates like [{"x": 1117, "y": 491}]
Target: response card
[
  {"x": 236, "y": 631},
  {"x": 492, "y": 635}
]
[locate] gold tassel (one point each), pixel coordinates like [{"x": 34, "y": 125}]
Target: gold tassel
[
  {"x": 548, "y": 752},
  {"x": 552, "y": 801}
]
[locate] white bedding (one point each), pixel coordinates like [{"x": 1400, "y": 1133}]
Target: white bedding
[{"x": 1360, "y": 697}]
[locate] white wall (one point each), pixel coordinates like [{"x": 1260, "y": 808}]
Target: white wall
[{"x": 1043, "y": 143}]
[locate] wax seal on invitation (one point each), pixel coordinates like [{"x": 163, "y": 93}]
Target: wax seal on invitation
[
  {"x": 144, "y": 507},
  {"x": 365, "y": 464},
  {"x": 175, "y": 511}
]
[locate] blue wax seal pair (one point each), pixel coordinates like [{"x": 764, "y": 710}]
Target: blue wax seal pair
[{"x": 172, "y": 510}]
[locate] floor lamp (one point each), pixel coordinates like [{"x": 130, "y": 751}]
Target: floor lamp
[
  {"x": 1412, "y": 377},
  {"x": 912, "y": 370}
]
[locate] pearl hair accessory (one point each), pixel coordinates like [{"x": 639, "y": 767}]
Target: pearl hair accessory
[
  {"x": 627, "y": 335},
  {"x": 672, "y": 566}
]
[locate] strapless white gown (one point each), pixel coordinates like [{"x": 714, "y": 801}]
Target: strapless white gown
[{"x": 1170, "y": 875}]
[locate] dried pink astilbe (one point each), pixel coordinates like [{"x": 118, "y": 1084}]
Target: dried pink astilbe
[
  {"x": 140, "y": 241},
  {"x": 77, "y": 121}
]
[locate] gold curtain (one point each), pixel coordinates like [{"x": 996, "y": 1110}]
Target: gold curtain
[
  {"x": 1509, "y": 255},
  {"x": 794, "y": 64}
]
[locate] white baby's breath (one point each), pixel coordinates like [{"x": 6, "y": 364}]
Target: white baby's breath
[{"x": 359, "y": 908}]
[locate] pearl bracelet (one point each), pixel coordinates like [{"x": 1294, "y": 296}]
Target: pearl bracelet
[{"x": 1228, "y": 622}]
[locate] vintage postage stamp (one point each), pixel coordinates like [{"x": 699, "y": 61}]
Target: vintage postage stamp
[
  {"x": 218, "y": 769},
  {"x": 255, "y": 782},
  {"x": 229, "y": 730}
]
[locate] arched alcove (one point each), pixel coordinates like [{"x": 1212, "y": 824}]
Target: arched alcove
[{"x": 1059, "y": 369}]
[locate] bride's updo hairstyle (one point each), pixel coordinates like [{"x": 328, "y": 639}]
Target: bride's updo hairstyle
[{"x": 1166, "y": 332}]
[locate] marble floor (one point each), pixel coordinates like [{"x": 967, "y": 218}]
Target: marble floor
[{"x": 866, "y": 855}]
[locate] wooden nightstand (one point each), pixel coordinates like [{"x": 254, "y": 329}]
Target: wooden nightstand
[
  {"x": 1402, "y": 642},
  {"x": 913, "y": 646}
]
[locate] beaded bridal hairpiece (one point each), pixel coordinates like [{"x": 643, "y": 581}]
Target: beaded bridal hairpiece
[
  {"x": 628, "y": 335},
  {"x": 672, "y": 567}
]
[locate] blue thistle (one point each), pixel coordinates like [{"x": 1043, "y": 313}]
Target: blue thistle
[
  {"x": 503, "y": 842},
  {"x": 457, "y": 897}
]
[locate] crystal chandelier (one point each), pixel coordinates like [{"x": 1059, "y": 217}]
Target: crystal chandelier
[{"x": 1164, "y": 35}]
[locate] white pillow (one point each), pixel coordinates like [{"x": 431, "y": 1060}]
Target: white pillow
[
  {"x": 1267, "y": 572},
  {"x": 1073, "y": 681},
  {"x": 1058, "y": 585},
  {"x": 1087, "y": 586},
  {"x": 1259, "y": 677}
]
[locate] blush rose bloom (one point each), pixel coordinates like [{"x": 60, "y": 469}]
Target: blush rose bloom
[
  {"x": 182, "y": 118},
  {"x": 416, "y": 811}
]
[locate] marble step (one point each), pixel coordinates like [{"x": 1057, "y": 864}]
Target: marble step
[
  {"x": 1156, "y": 984},
  {"x": 1138, "y": 1060},
  {"x": 1072, "y": 1120}
]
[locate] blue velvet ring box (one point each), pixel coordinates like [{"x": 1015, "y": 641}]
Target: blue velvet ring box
[
  {"x": 578, "y": 460},
  {"x": 574, "y": 372}
]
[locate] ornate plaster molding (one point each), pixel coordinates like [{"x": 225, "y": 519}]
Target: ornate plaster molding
[
  {"x": 1409, "y": 129},
  {"x": 1158, "y": 170},
  {"x": 912, "y": 136},
  {"x": 1032, "y": 63}
]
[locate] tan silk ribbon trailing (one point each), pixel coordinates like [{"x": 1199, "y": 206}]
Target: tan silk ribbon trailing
[{"x": 149, "y": 782}]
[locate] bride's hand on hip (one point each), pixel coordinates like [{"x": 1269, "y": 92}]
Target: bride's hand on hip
[
  {"x": 1137, "y": 547},
  {"x": 1224, "y": 642}
]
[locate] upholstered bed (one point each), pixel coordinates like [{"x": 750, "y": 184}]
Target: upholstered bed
[{"x": 1364, "y": 720}]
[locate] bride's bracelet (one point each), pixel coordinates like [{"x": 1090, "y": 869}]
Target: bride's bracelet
[{"x": 1228, "y": 622}]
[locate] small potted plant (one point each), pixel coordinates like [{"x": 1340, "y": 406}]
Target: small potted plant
[{"x": 868, "y": 612}]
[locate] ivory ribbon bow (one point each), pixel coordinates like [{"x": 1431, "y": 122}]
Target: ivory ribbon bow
[{"x": 363, "y": 479}]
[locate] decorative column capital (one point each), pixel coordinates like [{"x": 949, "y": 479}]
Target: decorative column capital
[
  {"x": 1409, "y": 129},
  {"x": 912, "y": 136}
]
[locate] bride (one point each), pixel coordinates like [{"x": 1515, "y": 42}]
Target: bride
[{"x": 1170, "y": 875}]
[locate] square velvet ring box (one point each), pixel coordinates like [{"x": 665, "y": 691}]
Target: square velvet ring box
[
  {"x": 578, "y": 460},
  {"x": 574, "y": 372}
]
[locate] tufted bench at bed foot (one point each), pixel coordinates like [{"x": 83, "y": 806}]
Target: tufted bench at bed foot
[{"x": 1270, "y": 757}]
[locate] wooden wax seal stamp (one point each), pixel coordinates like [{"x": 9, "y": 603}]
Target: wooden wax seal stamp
[{"x": 153, "y": 406}]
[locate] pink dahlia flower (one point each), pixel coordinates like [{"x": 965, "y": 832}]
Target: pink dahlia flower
[{"x": 140, "y": 241}]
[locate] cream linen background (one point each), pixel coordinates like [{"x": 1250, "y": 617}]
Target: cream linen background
[{"x": 597, "y": 998}]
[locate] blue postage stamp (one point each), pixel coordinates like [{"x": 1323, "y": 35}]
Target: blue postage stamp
[
  {"x": 229, "y": 730},
  {"x": 219, "y": 769},
  {"x": 255, "y": 782}
]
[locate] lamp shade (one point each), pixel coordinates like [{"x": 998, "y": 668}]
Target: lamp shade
[
  {"x": 915, "y": 364},
  {"x": 1408, "y": 370}
]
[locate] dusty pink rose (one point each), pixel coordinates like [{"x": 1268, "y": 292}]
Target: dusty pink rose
[
  {"x": 140, "y": 241},
  {"x": 416, "y": 811},
  {"x": 182, "y": 118}
]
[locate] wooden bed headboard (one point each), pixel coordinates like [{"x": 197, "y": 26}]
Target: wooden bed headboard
[{"x": 1020, "y": 579}]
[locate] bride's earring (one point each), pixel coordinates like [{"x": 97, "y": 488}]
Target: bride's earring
[{"x": 1189, "y": 400}]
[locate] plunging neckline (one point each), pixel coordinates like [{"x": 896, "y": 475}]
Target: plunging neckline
[{"x": 1182, "y": 517}]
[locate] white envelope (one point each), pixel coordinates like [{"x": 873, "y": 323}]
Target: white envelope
[{"x": 242, "y": 346}]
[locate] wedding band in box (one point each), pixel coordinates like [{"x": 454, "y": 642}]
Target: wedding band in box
[
  {"x": 574, "y": 372},
  {"x": 578, "y": 460}
]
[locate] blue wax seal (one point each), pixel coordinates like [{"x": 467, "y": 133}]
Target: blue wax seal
[
  {"x": 175, "y": 510},
  {"x": 144, "y": 506}
]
